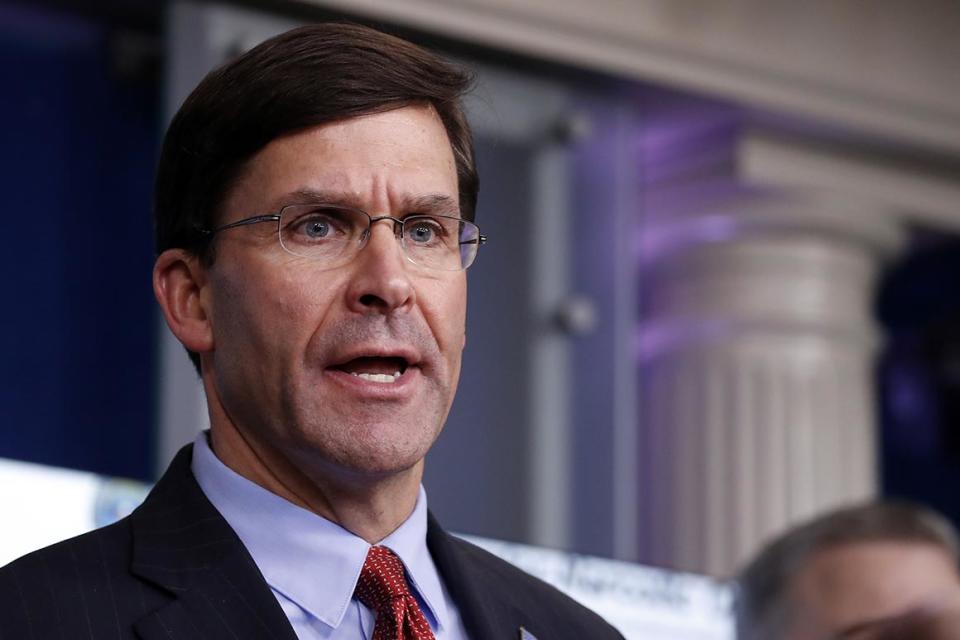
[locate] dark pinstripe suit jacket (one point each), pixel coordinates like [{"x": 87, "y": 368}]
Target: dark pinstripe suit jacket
[{"x": 175, "y": 570}]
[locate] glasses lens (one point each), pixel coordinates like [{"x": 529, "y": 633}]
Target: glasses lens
[
  {"x": 437, "y": 242},
  {"x": 333, "y": 235},
  {"x": 324, "y": 233},
  {"x": 469, "y": 243}
]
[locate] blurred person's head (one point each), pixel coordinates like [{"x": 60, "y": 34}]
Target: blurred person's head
[{"x": 845, "y": 574}]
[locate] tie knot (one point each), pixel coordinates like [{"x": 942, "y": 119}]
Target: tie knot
[{"x": 382, "y": 579}]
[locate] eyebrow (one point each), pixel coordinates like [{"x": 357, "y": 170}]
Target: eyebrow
[
  {"x": 892, "y": 622},
  {"x": 436, "y": 203},
  {"x": 430, "y": 203}
]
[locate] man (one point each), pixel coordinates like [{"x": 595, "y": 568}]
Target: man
[
  {"x": 867, "y": 571},
  {"x": 314, "y": 209}
]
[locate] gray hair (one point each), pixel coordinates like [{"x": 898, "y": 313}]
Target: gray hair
[{"x": 762, "y": 587}]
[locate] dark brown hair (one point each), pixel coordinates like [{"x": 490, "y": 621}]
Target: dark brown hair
[{"x": 303, "y": 78}]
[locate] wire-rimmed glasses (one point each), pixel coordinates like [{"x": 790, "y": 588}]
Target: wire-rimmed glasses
[{"x": 333, "y": 235}]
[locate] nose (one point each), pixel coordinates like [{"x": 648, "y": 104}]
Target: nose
[{"x": 380, "y": 282}]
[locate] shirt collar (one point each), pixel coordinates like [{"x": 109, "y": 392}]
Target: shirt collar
[{"x": 308, "y": 559}]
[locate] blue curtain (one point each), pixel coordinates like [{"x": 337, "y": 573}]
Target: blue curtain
[{"x": 79, "y": 140}]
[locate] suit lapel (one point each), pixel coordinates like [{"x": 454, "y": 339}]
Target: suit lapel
[
  {"x": 487, "y": 614},
  {"x": 182, "y": 544}
]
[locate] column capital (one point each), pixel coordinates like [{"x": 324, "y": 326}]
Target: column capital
[
  {"x": 720, "y": 210},
  {"x": 720, "y": 261}
]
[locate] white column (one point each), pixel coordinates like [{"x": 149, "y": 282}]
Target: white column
[{"x": 756, "y": 350}]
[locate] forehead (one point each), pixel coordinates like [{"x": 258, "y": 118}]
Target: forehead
[
  {"x": 377, "y": 160},
  {"x": 854, "y": 583}
]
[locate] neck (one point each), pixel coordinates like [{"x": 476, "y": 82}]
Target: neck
[{"x": 370, "y": 506}]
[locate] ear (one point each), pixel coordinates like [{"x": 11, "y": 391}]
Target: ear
[{"x": 179, "y": 280}]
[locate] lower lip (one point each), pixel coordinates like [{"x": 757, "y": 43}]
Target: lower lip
[{"x": 400, "y": 388}]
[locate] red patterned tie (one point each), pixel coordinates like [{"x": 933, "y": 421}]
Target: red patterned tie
[{"x": 383, "y": 588}]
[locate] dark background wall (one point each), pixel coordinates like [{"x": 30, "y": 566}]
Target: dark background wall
[
  {"x": 919, "y": 375},
  {"x": 80, "y": 117}
]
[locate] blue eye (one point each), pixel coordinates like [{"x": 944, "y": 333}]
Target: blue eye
[
  {"x": 322, "y": 224},
  {"x": 316, "y": 227},
  {"x": 424, "y": 232}
]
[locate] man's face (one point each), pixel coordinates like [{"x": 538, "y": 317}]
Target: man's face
[
  {"x": 847, "y": 590},
  {"x": 295, "y": 340}
]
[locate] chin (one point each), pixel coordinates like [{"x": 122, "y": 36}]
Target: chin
[
  {"x": 375, "y": 463},
  {"x": 368, "y": 448}
]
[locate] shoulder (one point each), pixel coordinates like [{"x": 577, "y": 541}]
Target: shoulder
[
  {"x": 530, "y": 595},
  {"x": 64, "y": 585},
  {"x": 70, "y": 560}
]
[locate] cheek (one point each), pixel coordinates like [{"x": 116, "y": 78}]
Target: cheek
[
  {"x": 240, "y": 326},
  {"x": 447, "y": 315},
  {"x": 258, "y": 314}
]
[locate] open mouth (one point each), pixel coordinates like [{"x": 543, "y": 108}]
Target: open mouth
[{"x": 385, "y": 370}]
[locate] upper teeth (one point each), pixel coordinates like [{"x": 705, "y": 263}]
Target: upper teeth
[{"x": 379, "y": 377}]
